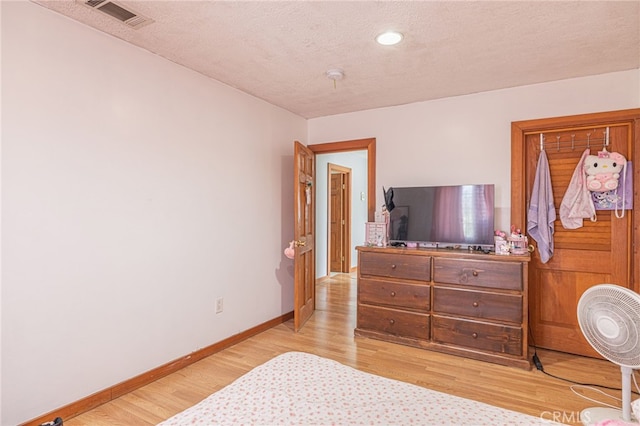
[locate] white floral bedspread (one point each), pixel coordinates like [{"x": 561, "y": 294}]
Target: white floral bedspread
[{"x": 298, "y": 388}]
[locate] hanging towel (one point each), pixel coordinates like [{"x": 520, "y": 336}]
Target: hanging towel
[
  {"x": 577, "y": 203},
  {"x": 542, "y": 212}
]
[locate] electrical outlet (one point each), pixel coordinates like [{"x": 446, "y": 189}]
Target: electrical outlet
[{"x": 219, "y": 305}]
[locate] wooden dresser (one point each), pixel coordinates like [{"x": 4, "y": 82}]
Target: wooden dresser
[{"x": 454, "y": 301}]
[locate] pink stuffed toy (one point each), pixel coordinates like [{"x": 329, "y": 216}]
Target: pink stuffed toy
[
  {"x": 603, "y": 170},
  {"x": 290, "y": 252}
]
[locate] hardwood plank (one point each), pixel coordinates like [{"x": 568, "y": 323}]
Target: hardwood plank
[{"x": 329, "y": 333}]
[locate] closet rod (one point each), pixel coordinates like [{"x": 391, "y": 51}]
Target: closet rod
[
  {"x": 604, "y": 141},
  {"x": 592, "y": 128}
]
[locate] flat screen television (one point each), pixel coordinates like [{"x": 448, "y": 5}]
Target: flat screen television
[{"x": 442, "y": 216}]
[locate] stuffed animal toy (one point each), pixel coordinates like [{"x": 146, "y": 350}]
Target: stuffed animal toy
[
  {"x": 290, "y": 252},
  {"x": 603, "y": 170}
]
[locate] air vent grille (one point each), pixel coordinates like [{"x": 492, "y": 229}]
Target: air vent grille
[{"x": 120, "y": 12}]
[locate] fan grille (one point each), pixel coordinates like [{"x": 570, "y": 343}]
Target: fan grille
[{"x": 609, "y": 317}]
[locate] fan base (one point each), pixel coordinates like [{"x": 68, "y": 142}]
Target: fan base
[{"x": 594, "y": 415}]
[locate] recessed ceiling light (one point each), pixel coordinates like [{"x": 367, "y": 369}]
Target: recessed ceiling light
[{"x": 389, "y": 38}]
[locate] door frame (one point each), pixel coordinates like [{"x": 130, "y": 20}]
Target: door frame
[
  {"x": 518, "y": 160},
  {"x": 564, "y": 335},
  {"x": 369, "y": 145},
  {"x": 345, "y": 248},
  {"x": 335, "y": 147}
]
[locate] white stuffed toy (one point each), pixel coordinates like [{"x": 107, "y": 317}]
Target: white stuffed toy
[{"x": 603, "y": 170}]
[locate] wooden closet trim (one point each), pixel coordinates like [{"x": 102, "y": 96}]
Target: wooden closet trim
[
  {"x": 518, "y": 179},
  {"x": 369, "y": 145}
]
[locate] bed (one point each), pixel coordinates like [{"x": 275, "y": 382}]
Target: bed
[{"x": 305, "y": 389}]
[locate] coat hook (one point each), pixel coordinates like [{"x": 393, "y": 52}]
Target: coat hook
[
  {"x": 588, "y": 140},
  {"x": 558, "y": 142},
  {"x": 606, "y": 137},
  {"x": 541, "y": 142},
  {"x": 573, "y": 141}
]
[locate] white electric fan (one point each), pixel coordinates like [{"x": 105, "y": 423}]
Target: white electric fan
[{"x": 609, "y": 317}]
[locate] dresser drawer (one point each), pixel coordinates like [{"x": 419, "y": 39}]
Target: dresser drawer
[
  {"x": 406, "y": 296},
  {"x": 495, "y": 274},
  {"x": 500, "y": 339},
  {"x": 396, "y": 266},
  {"x": 393, "y": 321},
  {"x": 478, "y": 304}
]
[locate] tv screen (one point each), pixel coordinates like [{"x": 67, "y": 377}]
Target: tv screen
[{"x": 443, "y": 215}]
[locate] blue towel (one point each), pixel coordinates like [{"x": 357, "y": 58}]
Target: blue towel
[{"x": 542, "y": 212}]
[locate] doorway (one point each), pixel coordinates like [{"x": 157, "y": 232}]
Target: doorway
[
  {"x": 339, "y": 214},
  {"x": 367, "y": 149}
]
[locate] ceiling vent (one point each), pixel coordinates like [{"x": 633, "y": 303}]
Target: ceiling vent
[{"x": 120, "y": 12}]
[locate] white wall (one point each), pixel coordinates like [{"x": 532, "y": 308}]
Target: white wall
[
  {"x": 357, "y": 162},
  {"x": 135, "y": 192},
  {"x": 467, "y": 139}
]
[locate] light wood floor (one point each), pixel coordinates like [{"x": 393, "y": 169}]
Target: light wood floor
[{"x": 329, "y": 333}]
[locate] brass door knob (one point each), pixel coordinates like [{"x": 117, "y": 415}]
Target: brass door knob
[{"x": 300, "y": 243}]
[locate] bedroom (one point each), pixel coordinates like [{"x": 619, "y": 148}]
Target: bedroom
[{"x": 115, "y": 273}]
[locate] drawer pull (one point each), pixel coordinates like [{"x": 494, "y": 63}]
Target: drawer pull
[
  {"x": 393, "y": 266},
  {"x": 464, "y": 277},
  {"x": 475, "y": 304},
  {"x": 474, "y": 335},
  {"x": 393, "y": 294},
  {"x": 392, "y": 321}
]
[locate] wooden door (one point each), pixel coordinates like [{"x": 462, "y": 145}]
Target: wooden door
[
  {"x": 304, "y": 229},
  {"x": 599, "y": 252},
  {"x": 339, "y": 218},
  {"x": 336, "y": 223}
]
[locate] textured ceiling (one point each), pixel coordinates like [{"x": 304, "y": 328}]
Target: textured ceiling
[{"x": 280, "y": 51}]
